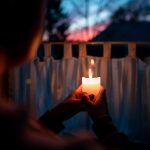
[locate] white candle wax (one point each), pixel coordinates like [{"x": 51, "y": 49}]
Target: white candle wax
[{"x": 91, "y": 85}]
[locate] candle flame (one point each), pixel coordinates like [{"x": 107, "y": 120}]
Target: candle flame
[
  {"x": 92, "y": 61},
  {"x": 90, "y": 73}
]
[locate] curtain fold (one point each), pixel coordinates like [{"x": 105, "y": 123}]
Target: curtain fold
[{"x": 42, "y": 85}]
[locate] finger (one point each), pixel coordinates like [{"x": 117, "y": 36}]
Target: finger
[
  {"x": 91, "y": 96},
  {"x": 86, "y": 100},
  {"x": 77, "y": 105},
  {"x": 85, "y": 97},
  {"x": 73, "y": 101},
  {"x": 77, "y": 100},
  {"x": 79, "y": 89},
  {"x": 78, "y": 95}
]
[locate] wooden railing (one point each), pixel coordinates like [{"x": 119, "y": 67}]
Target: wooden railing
[
  {"x": 54, "y": 43},
  {"x": 82, "y": 47}
]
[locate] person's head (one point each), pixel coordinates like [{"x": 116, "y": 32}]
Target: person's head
[{"x": 21, "y": 27}]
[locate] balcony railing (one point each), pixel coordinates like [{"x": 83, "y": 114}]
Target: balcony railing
[{"x": 107, "y": 47}]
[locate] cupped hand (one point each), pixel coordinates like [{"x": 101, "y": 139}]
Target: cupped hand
[{"x": 96, "y": 105}]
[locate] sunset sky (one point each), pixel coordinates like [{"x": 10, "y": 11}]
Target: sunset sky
[
  {"x": 88, "y": 18},
  {"x": 95, "y": 15}
]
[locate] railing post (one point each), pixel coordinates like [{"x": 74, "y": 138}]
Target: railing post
[
  {"x": 132, "y": 50},
  {"x": 67, "y": 50},
  {"x": 107, "y": 50},
  {"x": 82, "y": 50},
  {"x": 47, "y": 49}
]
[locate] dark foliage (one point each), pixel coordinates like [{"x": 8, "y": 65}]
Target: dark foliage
[{"x": 56, "y": 23}]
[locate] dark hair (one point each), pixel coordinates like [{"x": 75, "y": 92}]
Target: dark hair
[{"x": 19, "y": 22}]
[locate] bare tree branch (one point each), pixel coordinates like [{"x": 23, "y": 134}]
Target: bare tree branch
[{"x": 78, "y": 10}]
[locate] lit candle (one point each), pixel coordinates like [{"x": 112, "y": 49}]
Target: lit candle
[{"x": 91, "y": 85}]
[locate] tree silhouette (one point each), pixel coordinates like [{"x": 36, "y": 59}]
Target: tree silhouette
[
  {"x": 56, "y": 21},
  {"x": 126, "y": 14}
]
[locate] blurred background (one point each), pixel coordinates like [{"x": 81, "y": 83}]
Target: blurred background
[{"x": 97, "y": 20}]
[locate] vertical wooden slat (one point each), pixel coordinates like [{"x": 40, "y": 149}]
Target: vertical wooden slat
[
  {"x": 67, "y": 50},
  {"x": 132, "y": 50},
  {"x": 82, "y": 50},
  {"x": 47, "y": 50},
  {"x": 107, "y": 50}
]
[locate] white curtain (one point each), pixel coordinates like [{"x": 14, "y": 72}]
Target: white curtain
[{"x": 42, "y": 85}]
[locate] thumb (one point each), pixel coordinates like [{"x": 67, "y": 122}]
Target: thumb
[{"x": 87, "y": 101}]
